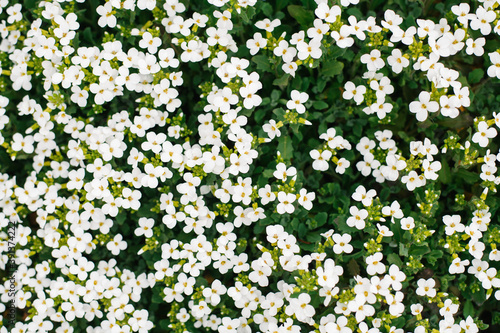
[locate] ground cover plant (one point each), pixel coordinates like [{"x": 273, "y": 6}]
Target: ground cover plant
[{"x": 249, "y": 166}]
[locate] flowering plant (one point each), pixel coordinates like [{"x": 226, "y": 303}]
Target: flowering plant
[{"x": 243, "y": 165}]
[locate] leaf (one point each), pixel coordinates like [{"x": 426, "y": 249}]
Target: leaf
[
  {"x": 280, "y": 4},
  {"x": 496, "y": 318},
  {"x": 268, "y": 173},
  {"x": 259, "y": 115},
  {"x": 321, "y": 218},
  {"x": 248, "y": 14},
  {"x": 320, "y": 105},
  {"x": 301, "y": 15},
  {"x": 285, "y": 147},
  {"x": 467, "y": 176},
  {"x": 433, "y": 256},
  {"x": 157, "y": 298},
  {"x": 87, "y": 34},
  {"x": 120, "y": 218},
  {"x": 468, "y": 309},
  {"x": 313, "y": 237},
  {"x": 280, "y": 114},
  {"x": 444, "y": 173},
  {"x": 275, "y": 95},
  {"x": 420, "y": 250},
  {"x": 262, "y": 63},
  {"x": 281, "y": 81},
  {"x": 267, "y": 9},
  {"x": 303, "y": 230},
  {"x": 321, "y": 85},
  {"x": 393, "y": 258},
  {"x": 332, "y": 68},
  {"x": 476, "y": 75},
  {"x": 403, "y": 250},
  {"x": 353, "y": 267}
]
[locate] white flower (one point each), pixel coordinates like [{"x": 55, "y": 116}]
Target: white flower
[
  {"x": 282, "y": 173},
  {"x": 462, "y": 11},
  {"x": 290, "y": 68},
  {"x": 412, "y": 180},
  {"x": 351, "y": 91},
  {"x": 116, "y": 245},
  {"x": 305, "y": 199},
  {"x": 426, "y": 287},
  {"x": 397, "y": 61},
  {"x": 494, "y": 69},
  {"x": 326, "y": 13},
  {"x": 375, "y": 265},
  {"x": 267, "y": 24},
  {"x": 357, "y": 218},
  {"x": 320, "y": 159},
  {"x": 342, "y": 243},
  {"x": 145, "y": 227},
  {"x": 343, "y": 38},
  {"x": 482, "y": 20},
  {"x": 457, "y": 266},
  {"x": 107, "y": 18},
  {"x": 475, "y": 46},
  {"x": 311, "y": 49},
  {"x": 423, "y": 106},
  {"x": 297, "y": 100},
  {"x": 23, "y": 143},
  {"x": 483, "y": 134},
  {"x": 366, "y": 197},
  {"x": 394, "y": 210},
  {"x": 149, "y": 42},
  {"x": 286, "y": 203},
  {"x": 258, "y": 42},
  {"x": 266, "y": 194},
  {"x": 373, "y": 60}
]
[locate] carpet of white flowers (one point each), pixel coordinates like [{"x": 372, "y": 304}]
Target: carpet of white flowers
[{"x": 249, "y": 166}]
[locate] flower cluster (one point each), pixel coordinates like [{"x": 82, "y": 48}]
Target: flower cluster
[{"x": 167, "y": 167}]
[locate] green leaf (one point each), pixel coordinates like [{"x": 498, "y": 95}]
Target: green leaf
[
  {"x": 304, "y": 17},
  {"x": 468, "y": 309},
  {"x": 285, "y": 147},
  {"x": 303, "y": 230},
  {"x": 120, "y": 218},
  {"x": 476, "y": 75},
  {"x": 267, "y": 9},
  {"x": 157, "y": 298},
  {"x": 87, "y": 34},
  {"x": 321, "y": 218},
  {"x": 445, "y": 173},
  {"x": 281, "y": 81},
  {"x": 332, "y": 68},
  {"x": 393, "y": 258},
  {"x": 312, "y": 237},
  {"x": 353, "y": 267},
  {"x": 262, "y": 63},
  {"x": 268, "y": 173},
  {"x": 467, "y": 176},
  {"x": 259, "y": 115},
  {"x": 496, "y": 318},
  {"x": 247, "y": 15},
  {"x": 164, "y": 324},
  {"x": 320, "y": 105},
  {"x": 433, "y": 256},
  {"x": 280, "y": 114},
  {"x": 403, "y": 250},
  {"x": 420, "y": 250},
  {"x": 275, "y": 95},
  {"x": 321, "y": 85}
]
